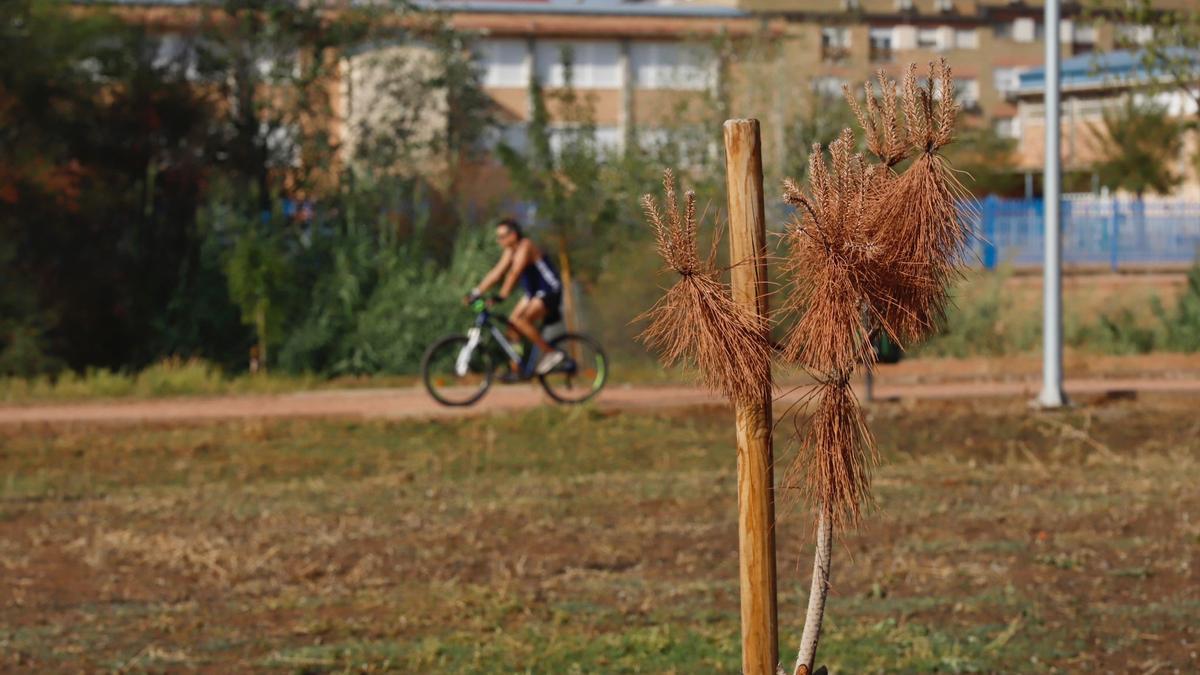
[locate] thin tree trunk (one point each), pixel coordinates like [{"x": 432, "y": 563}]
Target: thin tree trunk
[
  {"x": 816, "y": 596},
  {"x": 260, "y": 325},
  {"x": 568, "y": 297}
]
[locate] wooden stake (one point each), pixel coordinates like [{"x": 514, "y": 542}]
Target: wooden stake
[
  {"x": 568, "y": 295},
  {"x": 755, "y": 461}
]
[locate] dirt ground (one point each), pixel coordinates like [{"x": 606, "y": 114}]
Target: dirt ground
[
  {"x": 1089, "y": 377},
  {"x": 594, "y": 540}
]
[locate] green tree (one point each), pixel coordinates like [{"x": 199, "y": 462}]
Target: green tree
[
  {"x": 817, "y": 118},
  {"x": 1169, "y": 47},
  {"x": 1140, "y": 146},
  {"x": 100, "y": 140},
  {"x": 987, "y": 160},
  {"x": 561, "y": 170},
  {"x": 258, "y": 276}
]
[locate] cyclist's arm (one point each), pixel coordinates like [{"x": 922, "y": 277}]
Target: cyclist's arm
[
  {"x": 519, "y": 262},
  {"x": 496, "y": 273}
]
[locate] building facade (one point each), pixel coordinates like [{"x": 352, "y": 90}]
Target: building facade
[
  {"x": 620, "y": 48},
  {"x": 1091, "y": 87},
  {"x": 645, "y": 67},
  {"x": 636, "y": 64}
]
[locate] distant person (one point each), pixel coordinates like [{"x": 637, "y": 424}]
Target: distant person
[{"x": 522, "y": 260}]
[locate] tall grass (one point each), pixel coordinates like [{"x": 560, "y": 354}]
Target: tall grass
[
  {"x": 170, "y": 377},
  {"x": 989, "y": 318}
]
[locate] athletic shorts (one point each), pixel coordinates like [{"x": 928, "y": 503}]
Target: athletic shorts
[{"x": 553, "y": 302}]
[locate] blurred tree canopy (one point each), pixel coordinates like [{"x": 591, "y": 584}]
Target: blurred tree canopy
[
  {"x": 179, "y": 191},
  {"x": 1140, "y": 146},
  {"x": 1168, "y": 41}
]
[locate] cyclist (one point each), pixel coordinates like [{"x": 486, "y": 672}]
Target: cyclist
[{"x": 522, "y": 260}]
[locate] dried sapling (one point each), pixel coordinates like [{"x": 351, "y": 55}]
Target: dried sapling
[{"x": 872, "y": 248}]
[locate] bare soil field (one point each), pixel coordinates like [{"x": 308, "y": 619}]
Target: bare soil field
[{"x": 591, "y": 540}]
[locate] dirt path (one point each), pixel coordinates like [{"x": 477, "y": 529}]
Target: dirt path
[{"x": 413, "y": 402}]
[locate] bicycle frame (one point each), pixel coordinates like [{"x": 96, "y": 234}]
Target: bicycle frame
[{"x": 493, "y": 322}]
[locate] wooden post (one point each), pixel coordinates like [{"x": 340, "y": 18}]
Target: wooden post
[
  {"x": 568, "y": 295},
  {"x": 755, "y": 472}
]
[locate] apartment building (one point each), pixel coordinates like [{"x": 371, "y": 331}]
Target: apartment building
[
  {"x": 1090, "y": 87},
  {"x": 623, "y": 47},
  {"x": 640, "y": 63},
  {"x": 636, "y": 64}
]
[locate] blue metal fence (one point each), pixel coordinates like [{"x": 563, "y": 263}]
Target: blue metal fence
[{"x": 1097, "y": 231}]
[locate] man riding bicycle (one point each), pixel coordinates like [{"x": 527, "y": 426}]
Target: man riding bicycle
[{"x": 522, "y": 260}]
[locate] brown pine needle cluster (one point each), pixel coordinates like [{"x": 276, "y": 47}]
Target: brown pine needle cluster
[
  {"x": 872, "y": 249},
  {"x": 830, "y": 251},
  {"x": 836, "y": 453},
  {"x": 696, "y": 321}
]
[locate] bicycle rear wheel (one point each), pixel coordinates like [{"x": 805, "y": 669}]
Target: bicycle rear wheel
[
  {"x": 447, "y": 382},
  {"x": 582, "y": 375}
]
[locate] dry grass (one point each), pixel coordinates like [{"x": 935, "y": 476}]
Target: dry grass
[
  {"x": 558, "y": 541},
  {"x": 696, "y": 321}
]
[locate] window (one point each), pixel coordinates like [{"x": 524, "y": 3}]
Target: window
[
  {"x": 1085, "y": 34},
  {"x": 828, "y": 86},
  {"x": 835, "y": 36},
  {"x": 282, "y": 142},
  {"x": 927, "y": 38},
  {"x": 1007, "y": 127},
  {"x": 177, "y": 52},
  {"x": 851, "y": 5},
  {"x": 502, "y": 63},
  {"x": 652, "y": 139},
  {"x": 275, "y": 66},
  {"x": 1007, "y": 80},
  {"x": 1025, "y": 30},
  {"x": 835, "y": 43},
  {"x": 515, "y": 136},
  {"x": 1134, "y": 34},
  {"x": 671, "y": 65},
  {"x": 966, "y": 38},
  {"x": 943, "y": 5},
  {"x": 593, "y": 65},
  {"x": 604, "y": 140},
  {"x": 904, "y": 5},
  {"x": 881, "y": 44},
  {"x": 966, "y": 90},
  {"x": 685, "y": 145}
]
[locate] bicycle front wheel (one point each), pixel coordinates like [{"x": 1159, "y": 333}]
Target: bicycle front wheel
[
  {"x": 582, "y": 375},
  {"x": 454, "y": 377}
]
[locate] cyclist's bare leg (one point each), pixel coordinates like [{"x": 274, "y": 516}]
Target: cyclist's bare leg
[
  {"x": 522, "y": 306},
  {"x": 525, "y": 319}
]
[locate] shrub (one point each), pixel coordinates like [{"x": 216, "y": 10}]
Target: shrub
[
  {"x": 377, "y": 310},
  {"x": 1182, "y": 327},
  {"x": 982, "y": 320}
]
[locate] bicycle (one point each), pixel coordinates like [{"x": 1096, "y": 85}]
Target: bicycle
[{"x": 459, "y": 369}]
